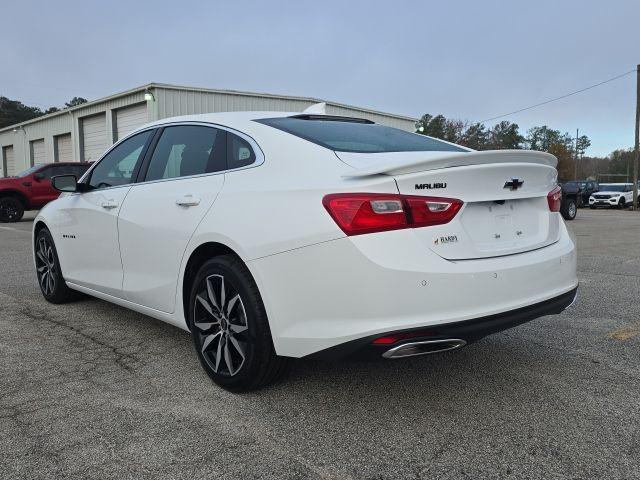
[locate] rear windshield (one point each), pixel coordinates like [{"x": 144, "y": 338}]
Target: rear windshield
[{"x": 358, "y": 137}]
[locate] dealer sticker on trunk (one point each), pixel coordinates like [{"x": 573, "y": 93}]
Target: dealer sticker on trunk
[{"x": 445, "y": 240}]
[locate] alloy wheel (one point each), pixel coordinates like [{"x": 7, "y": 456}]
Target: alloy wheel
[
  {"x": 8, "y": 210},
  {"x": 220, "y": 322},
  {"x": 572, "y": 210},
  {"x": 46, "y": 266}
]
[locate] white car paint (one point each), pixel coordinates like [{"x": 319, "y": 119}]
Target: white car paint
[
  {"x": 320, "y": 287},
  {"x": 612, "y": 197}
]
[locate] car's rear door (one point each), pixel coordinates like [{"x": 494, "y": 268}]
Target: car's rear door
[
  {"x": 86, "y": 224},
  {"x": 179, "y": 184}
]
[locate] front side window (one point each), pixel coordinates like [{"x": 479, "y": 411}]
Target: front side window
[
  {"x": 352, "y": 135},
  {"x": 117, "y": 167},
  {"x": 186, "y": 150}
]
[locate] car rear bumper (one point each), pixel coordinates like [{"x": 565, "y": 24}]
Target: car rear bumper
[
  {"x": 468, "y": 331},
  {"x": 339, "y": 291}
]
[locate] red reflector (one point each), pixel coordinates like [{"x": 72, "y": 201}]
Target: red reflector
[
  {"x": 554, "y": 197},
  {"x": 396, "y": 337},
  {"x": 358, "y": 213}
]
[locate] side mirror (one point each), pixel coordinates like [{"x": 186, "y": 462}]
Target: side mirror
[
  {"x": 65, "y": 183},
  {"x": 39, "y": 176}
]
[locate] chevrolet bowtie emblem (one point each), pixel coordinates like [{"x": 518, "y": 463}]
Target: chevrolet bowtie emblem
[{"x": 513, "y": 184}]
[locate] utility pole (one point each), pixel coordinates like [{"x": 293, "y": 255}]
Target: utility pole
[
  {"x": 636, "y": 160},
  {"x": 575, "y": 160}
]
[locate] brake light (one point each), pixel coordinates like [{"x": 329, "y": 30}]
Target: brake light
[
  {"x": 360, "y": 213},
  {"x": 554, "y": 197}
]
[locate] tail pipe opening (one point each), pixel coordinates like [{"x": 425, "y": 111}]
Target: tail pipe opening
[{"x": 425, "y": 347}]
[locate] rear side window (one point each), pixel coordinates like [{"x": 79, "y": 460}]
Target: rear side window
[
  {"x": 239, "y": 152},
  {"x": 187, "y": 150},
  {"x": 358, "y": 137}
]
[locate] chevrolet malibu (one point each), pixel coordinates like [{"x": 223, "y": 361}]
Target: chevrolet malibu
[{"x": 273, "y": 236}]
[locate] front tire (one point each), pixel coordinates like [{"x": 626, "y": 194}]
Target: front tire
[
  {"x": 50, "y": 279},
  {"x": 569, "y": 209},
  {"x": 622, "y": 204},
  {"x": 11, "y": 209},
  {"x": 229, "y": 327}
]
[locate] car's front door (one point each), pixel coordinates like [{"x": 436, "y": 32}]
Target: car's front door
[
  {"x": 87, "y": 223},
  {"x": 182, "y": 179},
  {"x": 41, "y": 190}
]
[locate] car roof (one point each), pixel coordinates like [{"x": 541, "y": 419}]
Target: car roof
[{"x": 230, "y": 119}]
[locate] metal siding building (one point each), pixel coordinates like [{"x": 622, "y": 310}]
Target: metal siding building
[{"x": 84, "y": 132}]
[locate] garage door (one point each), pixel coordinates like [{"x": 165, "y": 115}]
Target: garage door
[
  {"x": 94, "y": 137},
  {"x": 8, "y": 161},
  {"x": 63, "y": 148},
  {"x": 130, "y": 118},
  {"x": 38, "y": 153}
]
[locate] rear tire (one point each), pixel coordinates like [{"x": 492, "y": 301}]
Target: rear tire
[
  {"x": 11, "y": 209},
  {"x": 569, "y": 209},
  {"x": 230, "y": 329},
  {"x": 50, "y": 279}
]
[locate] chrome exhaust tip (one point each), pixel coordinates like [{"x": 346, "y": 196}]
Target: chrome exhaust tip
[{"x": 425, "y": 347}]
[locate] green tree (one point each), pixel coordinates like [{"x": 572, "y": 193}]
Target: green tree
[
  {"x": 542, "y": 138},
  {"x": 583, "y": 144},
  {"x": 453, "y": 130},
  {"x": 75, "y": 101},
  {"x": 13, "y": 111},
  {"x": 505, "y": 135},
  {"x": 432, "y": 126},
  {"x": 475, "y": 136}
]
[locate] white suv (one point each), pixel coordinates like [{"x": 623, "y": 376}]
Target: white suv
[{"x": 617, "y": 195}]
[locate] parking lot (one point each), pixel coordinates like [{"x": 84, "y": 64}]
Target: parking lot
[{"x": 91, "y": 390}]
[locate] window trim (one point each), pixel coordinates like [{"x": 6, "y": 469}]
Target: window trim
[
  {"x": 134, "y": 175},
  {"x": 158, "y": 127},
  {"x": 144, "y": 168},
  {"x": 260, "y": 158}
]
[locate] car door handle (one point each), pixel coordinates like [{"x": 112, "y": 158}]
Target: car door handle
[
  {"x": 109, "y": 204},
  {"x": 188, "y": 201}
]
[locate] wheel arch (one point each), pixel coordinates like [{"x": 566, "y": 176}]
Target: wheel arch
[
  {"x": 199, "y": 255},
  {"x": 17, "y": 194}
]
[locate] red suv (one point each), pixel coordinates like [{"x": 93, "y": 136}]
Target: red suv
[{"x": 32, "y": 189}]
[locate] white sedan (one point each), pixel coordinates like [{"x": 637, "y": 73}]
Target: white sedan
[{"x": 272, "y": 236}]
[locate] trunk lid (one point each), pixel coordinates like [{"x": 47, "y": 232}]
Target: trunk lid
[{"x": 496, "y": 219}]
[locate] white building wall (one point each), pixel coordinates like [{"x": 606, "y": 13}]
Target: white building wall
[{"x": 168, "y": 101}]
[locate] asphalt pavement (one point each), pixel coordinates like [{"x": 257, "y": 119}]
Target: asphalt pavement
[{"x": 92, "y": 390}]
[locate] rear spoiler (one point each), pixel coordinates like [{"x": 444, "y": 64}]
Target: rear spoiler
[{"x": 398, "y": 163}]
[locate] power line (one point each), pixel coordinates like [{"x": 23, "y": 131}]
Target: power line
[{"x": 560, "y": 97}]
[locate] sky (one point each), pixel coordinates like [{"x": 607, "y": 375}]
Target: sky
[{"x": 471, "y": 60}]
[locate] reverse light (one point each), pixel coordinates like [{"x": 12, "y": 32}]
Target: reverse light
[
  {"x": 360, "y": 213},
  {"x": 554, "y": 197}
]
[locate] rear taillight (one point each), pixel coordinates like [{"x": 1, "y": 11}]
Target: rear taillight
[
  {"x": 554, "y": 197},
  {"x": 359, "y": 213}
]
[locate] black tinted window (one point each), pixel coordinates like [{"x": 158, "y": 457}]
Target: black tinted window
[
  {"x": 239, "y": 152},
  {"x": 349, "y": 136},
  {"x": 187, "y": 150},
  {"x": 117, "y": 166}
]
